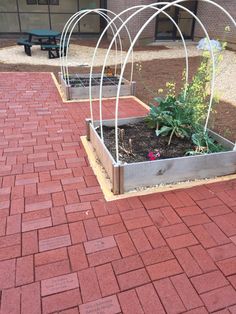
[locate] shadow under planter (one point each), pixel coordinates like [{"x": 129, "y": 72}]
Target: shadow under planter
[{"x": 127, "y": 177}]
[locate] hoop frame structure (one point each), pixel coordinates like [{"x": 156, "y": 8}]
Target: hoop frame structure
[
  {"x": 64, "y": 68},
  {"x": 91, "y": 69},
  {"x": 166, "y": 6},
  {"x": 94, "y": 56},
  {"x": 80, "y": 15}
]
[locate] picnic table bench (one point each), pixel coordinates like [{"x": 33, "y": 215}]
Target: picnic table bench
[
  {"x": 27, "y": 45},
  {"x": 54, "y": 49}
]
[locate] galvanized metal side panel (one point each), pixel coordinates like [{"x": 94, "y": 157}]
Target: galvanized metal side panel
[
  {"x": 60, "y": 79},
  {"x": 221, "y": 140},
  {"x": 127, "y": 89},
  {"x": 107, "y": 91},
  {"x": 167, "y": 171},
  {"x": 145, "y": 174},
  {"x": 65, "y": 89},
  {"x": 102, "y": 152},
  {"x": 123, "y": 121},
  {"x": 116, "y": 180}
]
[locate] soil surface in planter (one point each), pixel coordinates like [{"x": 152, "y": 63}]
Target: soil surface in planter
[
  {"x": 84, "y": 82},
  {"x": 143, "y": 141}
]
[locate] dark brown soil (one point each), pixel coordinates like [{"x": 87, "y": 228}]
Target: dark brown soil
[
  {"x": 154, "y": 75},
  {"x": 143, "y": 141}
]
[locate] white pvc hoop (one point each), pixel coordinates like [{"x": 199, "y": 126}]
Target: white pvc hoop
[
  {"x": 69, "y": 37},
  {"x": 94, "y": 56},
  {"x": 80, "y": 15},
  {"x": 134, "y": 41},
  {"x": 91, "y": 69},
  {"x": 63, "y": 38},
  {"x": 166, "y": 5}
]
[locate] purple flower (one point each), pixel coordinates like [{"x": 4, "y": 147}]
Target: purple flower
[{"x": 204, "y": 45}]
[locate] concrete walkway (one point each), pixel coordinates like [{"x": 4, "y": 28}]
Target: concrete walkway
[{"x": 63, "y": 249}]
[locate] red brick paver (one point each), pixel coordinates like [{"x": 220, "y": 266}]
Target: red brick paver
[{"x": 64, "y": 249}]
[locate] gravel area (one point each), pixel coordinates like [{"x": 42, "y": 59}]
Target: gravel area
[{"x": 82, "y": 55}]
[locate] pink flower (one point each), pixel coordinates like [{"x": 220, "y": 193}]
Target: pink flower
[
  {"x": 154, "y": 155},
  {"x": 151, "y": 156}
]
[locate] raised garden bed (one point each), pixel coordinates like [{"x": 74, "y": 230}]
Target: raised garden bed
[
  {"x": 78, "y": 87},
  {"x": 134, "y": 172}
]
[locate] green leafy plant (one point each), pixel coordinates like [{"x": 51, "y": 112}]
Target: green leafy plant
[
  {"x": 177, "y": 122},
  {"x": 197, "y": 92},
  {"x": 182, "y": 115},
  {"x": 170, "y": 117},
  {"x": 204, "y": 144},
  {"x": 156, "y": 113}
]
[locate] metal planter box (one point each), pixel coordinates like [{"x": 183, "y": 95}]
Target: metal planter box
[
  {"x": 80, "y": 89},
  {"x": 128, "y": 177}
]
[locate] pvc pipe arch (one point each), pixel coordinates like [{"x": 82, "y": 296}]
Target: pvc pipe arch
[
  {"x": 80, "y": 15},
  {"x": 137, "y": 36},
  {"x": 71, "y": 31},
  {"x": 94, "y": 56},
  {"x": 64, "y": 68},
  {"x": 139, "y": 9},
  {"x": 91, "y": 68},
  {"x": 166, "y": 5}
]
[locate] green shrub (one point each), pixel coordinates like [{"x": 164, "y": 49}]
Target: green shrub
[{"x": 183, "y": 115}]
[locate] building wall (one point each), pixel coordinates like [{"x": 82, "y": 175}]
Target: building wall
[
  {"x": 17, "y": 16},
  {"x": 215, "y": 21},
  {"x": 21, "y": 15},
  {"x": 137, "y": 22}
]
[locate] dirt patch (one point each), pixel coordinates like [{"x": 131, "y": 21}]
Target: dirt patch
[
  {"x": 223, "y": 121},
  {"x": 136, "y": 141}
]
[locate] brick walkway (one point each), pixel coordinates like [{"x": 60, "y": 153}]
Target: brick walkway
[{"x": 63, "y": 249}]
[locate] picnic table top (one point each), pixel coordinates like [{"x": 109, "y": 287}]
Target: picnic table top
[{"x": 44, "y": 33}]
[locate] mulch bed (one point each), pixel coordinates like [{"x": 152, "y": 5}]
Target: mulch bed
[{"x": 154, "y": 75}]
